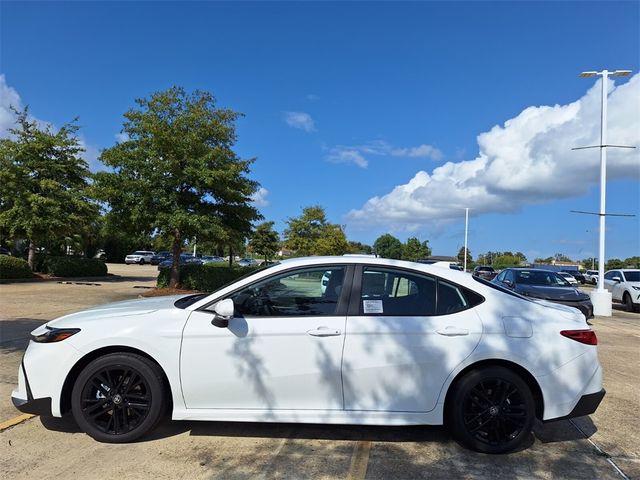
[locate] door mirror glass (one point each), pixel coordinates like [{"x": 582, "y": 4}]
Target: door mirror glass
[{"x": 223, "y": 312}]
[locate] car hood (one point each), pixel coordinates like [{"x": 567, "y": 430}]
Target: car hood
[
  {"x": 118, "y": 309},
  {"x": 565, "y": 294}
]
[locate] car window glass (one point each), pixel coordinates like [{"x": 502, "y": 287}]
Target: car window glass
[
  {"x": 396, "y": 292},
  {"x": 450, "y": 298},
  {"x": 510, "y": 276},
  {"x": 609, "y": 275},
  {"x": 308, "y": 292},
  {"x": 633, "y": 276},
  {"x": 501, "y": 276}
]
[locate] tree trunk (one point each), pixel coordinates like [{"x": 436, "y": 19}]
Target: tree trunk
[
  {"x": 174, "y": 279},
  {"x": 31, "y": 259}
]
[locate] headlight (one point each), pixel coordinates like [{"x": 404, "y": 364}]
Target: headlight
[{"x": 54, "y": 335}]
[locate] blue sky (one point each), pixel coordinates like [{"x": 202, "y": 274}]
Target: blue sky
[{"x": 390, "y": 115}]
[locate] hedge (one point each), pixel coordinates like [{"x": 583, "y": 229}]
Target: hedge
[
  {"x": 204, "y": 278},
  {"x": 14, "y": 267},
  {"x": 74, "y": 267}
]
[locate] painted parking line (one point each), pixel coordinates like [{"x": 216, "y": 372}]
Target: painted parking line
[
  {"x": 12, "y": 422},
  {"x": 359, "y": 461}
]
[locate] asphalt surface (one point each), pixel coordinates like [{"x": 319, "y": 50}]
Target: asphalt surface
[{"x": 605, "y": 445}]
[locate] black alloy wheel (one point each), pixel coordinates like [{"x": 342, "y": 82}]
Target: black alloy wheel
[
  {"x": 492, "y": 410},
  {"x": 118, "y": 398}
]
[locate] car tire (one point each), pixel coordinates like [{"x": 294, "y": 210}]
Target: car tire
[
  {"x": 126, "y": 415},
  {"x": 628, "y": 303},
  {"x": 491, "y": 410},
  {"x": 142, "y": 261}
]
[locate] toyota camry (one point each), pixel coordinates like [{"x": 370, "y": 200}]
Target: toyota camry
[{"x": 334, "y": 340}]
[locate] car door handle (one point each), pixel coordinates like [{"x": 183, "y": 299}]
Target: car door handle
[
  {"x": 324, "y": 332},
  {"x": 452, "y": 331}
]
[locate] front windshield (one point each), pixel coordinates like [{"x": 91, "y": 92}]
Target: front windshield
[
  {"x": 540, "y": 277},
  {"x": 632, "y": 276}
]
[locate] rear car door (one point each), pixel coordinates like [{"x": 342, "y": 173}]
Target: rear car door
[{"x": 406, "y": 332}]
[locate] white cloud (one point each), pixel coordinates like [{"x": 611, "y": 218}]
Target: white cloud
[
  {"x": 300, "y": 120},
  {"x": 347, "y": 155},
  {"x": 528, "y": 160},
  {"x": 9, "y": 97},
  {"x": 421, "y": 151},
  {"x": 259, "y": 199},
  {"x": 356, "y": 153}
]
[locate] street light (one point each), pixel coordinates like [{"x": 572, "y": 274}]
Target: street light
[{"x": 601, "y": 298}]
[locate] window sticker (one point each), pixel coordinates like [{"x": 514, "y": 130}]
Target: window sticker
[{"x": 372, "y": 306}]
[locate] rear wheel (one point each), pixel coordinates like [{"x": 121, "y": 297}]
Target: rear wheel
[
  {"x": 142, "y": 261},
  {"x": 118, "y": 398},
  {"x": 491, "y": 410}
]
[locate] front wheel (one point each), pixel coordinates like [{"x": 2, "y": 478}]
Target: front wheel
[
  {"x": 628, "y": 303},
  {"x": 491, "y": 410},
  {"x": 118, "y": 398}
]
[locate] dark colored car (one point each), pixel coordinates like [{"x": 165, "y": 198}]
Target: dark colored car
[
  {"x": 185, "y": 259},
  {"x": 160, "y": 257},
  {"x": 485, "y": 272},
  {"x": 545, "y": 285},
  {"x": 577, "y": 275}
]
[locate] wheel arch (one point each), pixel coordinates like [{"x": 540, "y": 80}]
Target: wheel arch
[
  {"x": 522, "y": 372},
  {"x": 67, "y": 387}
]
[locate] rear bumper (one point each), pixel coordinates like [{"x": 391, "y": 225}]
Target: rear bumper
[{"x": 586, "y": 406}]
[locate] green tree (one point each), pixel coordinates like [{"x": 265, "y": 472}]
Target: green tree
[
  {"x": 44, "y": 183},
  {"x": 176, "y": 174},
  {"x": 415, "y": 250},
  {"x": 265, "y": 241},
  {"x": 388, "y": 246},
  {"x": 632, "y": 262},
  {"x": 358, "y": 247},
  {"x": 332, "y": 242},
  {"x": 460, "y": 256},
  {"x": 614, "y": 263},
  {"x": 312, "y": 234}
]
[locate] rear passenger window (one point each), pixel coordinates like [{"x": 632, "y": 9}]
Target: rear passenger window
[
  {"x": 395, "y": 292},
  {"x": 390, "y": 292},
  {"x": 450, "y": 298}
]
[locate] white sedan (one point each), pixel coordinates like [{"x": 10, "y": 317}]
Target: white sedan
[
  {"x": 569, "y": 278},
  {"x": 384, "y": 342}
]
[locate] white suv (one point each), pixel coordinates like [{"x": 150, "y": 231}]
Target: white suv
[
  {"x": 591, "y": 276},
  {"x": 140, "y": 257},
  {"x": 624, "y": 285}
]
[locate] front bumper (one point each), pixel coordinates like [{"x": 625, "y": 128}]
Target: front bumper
[
  {"x": 586, "y": 406},
  {"x": 35, "y": 406}
]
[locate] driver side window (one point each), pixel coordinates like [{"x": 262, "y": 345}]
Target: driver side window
[{"x": 305, "y": 292}]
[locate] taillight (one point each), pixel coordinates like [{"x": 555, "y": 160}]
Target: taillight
[{"x": 588, "y": 337}]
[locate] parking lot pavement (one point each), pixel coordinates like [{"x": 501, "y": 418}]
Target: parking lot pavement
[{"x": 48, "y": 448}]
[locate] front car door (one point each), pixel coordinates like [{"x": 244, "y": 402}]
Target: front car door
[
  {"x": 406, "y": 332},
  {"x": 282, "y": 349}
]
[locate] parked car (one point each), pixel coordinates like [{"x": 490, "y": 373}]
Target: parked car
[
  {"x": 624, "y": 285},
  {"x": 246, "y": 262},
  {"x": 442, "y": 264},
  {"x": 185, "y": 259},
  {"x": 577, "y": 275},
  {"x": 139, "y": 256},
  {"x": 388, "y": 343},
  {"x": 545, "y": 285},
  {"x": 211, "y": 259},
  {"x": 569, "y": 278},
  {"x": 591, "y": 276},
  {"x": 484, "y": 271},
  {"x": 160, "y": 257}
]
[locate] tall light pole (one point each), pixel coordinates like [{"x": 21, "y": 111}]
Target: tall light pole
[
  {"x": 601, "y": 298},
  {"x": 466, "y": 232}
]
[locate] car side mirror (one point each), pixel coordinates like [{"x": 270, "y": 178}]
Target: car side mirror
[
  {"x": 617, "y": 279},
  {"x": 222, "y": 313},
  {"x": 508, "y": 283}
]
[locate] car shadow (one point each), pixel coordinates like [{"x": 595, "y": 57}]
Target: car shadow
[{"x": 551, "y": 432}]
